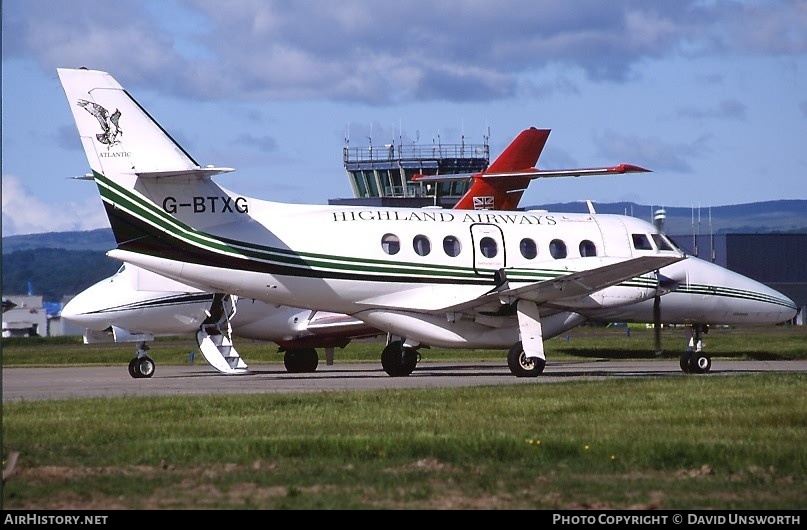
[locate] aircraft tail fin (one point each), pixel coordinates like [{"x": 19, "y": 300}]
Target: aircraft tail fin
[
  {"x": 150, "y": 186},
  {"x": 521, "y": 155},
  {"x": 118, "y": 135}
]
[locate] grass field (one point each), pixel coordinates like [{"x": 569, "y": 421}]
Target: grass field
[{"x": 690, "y": 442}]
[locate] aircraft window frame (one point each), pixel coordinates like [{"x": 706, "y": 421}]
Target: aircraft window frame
[
  {"x": 488, "y": 247},
  {"x": 557, "y": 249},
  {"x": 662, "y": 243},
  {"x": 452, "y": 246},
  {"x": 528, "y": 248},
  {"x": 587, "y": 248},
  {"x": 641, "y": 242},
  {"x": 672, "y": 241},
  {"x": 390, "y": 244},
  {"x": 422, "y": 245}
]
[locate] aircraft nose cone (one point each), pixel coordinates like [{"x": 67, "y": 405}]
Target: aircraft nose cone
[
  {"x": 728, "y": 297},
  {"x": 69, "y": 311}
]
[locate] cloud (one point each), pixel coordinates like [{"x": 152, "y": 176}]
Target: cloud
[
  {"x": 651, "y": 152},
  {"x": 387, "y": 52},
  {"x": 24, "y": 213},
  {"x": 728, "y": 109}
]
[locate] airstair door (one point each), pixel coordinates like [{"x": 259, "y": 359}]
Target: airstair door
[{"x": 489, "y": 252}]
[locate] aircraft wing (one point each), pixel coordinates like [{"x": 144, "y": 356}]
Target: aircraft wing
[
  {"x": 534, "y": 173},
  {"x": 570, "y": 285}
]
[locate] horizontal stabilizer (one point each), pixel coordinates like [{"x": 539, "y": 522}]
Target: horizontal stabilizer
[
  {"x": 534, "y": 173},
  {"x": 202, "y": 172}
]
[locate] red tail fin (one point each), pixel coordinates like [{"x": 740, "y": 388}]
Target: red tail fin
[{"x": 521, "y": 154}]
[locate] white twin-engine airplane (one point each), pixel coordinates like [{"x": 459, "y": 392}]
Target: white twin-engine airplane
[
  {"x": 448, "y": 278},
  {"x": 135, "y": 305}
]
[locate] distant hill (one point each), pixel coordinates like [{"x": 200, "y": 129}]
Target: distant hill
[
  {"x": 65, "y": 263},
  {"x": 54, "y": 272},
  {"x": 98, "y": 240}
]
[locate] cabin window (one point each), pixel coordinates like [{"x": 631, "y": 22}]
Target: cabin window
[
  {"x": 488, "y": 247},
  {"x": 641, "y": 242},
  {"x": 557, "y": 249},
  {"x": 661, "y": 242},
  {"x": 422, "y": 245},
  {"x": 451, "y": 245},
  {"x": 528, "y": 248},
  {"x": 391, "y": 244},
  {"x": 587, "y": 248}
]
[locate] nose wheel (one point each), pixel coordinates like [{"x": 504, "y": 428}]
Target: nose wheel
[
  {"x": 141, "y": 367},
  {"x": 695, "y": 362}
]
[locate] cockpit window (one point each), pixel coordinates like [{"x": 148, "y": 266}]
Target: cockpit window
[
  {"x": 662, "y": 242},
  {"x": 641, "y": 242}
]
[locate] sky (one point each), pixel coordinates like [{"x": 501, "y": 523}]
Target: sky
[{"x": 709, "y": 95}]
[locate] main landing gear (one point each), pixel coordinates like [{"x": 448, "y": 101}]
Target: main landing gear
[
  {"x": 399, "y": 360},
  {"x": 142, "y": 366},
  {"x": 522, "y": 366},
  {"x": 300, "y": 361},
  {"x": 693, "y": 360}
]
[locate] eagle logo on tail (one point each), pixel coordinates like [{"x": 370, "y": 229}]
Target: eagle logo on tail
[{"x": 109, "y": 122}]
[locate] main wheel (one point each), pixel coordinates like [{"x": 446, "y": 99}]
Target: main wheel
[
  {"x": 132, "y": 369},
  {"x": 521, "y": 365},
  {"x": 686, "y": 362},
  {"x": 142, "y": 367},
  {"x": 700, "y": 363},
  {"x": 300, "y": 361},
  {"x": 398, "y": 360}
]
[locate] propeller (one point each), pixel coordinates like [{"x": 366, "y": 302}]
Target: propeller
[
  {"x": 665, "y": 285},
  {"x": 657, "y": 322}
]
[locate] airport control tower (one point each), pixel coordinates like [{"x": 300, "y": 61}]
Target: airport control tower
[{"x": 382, "y": 176}]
